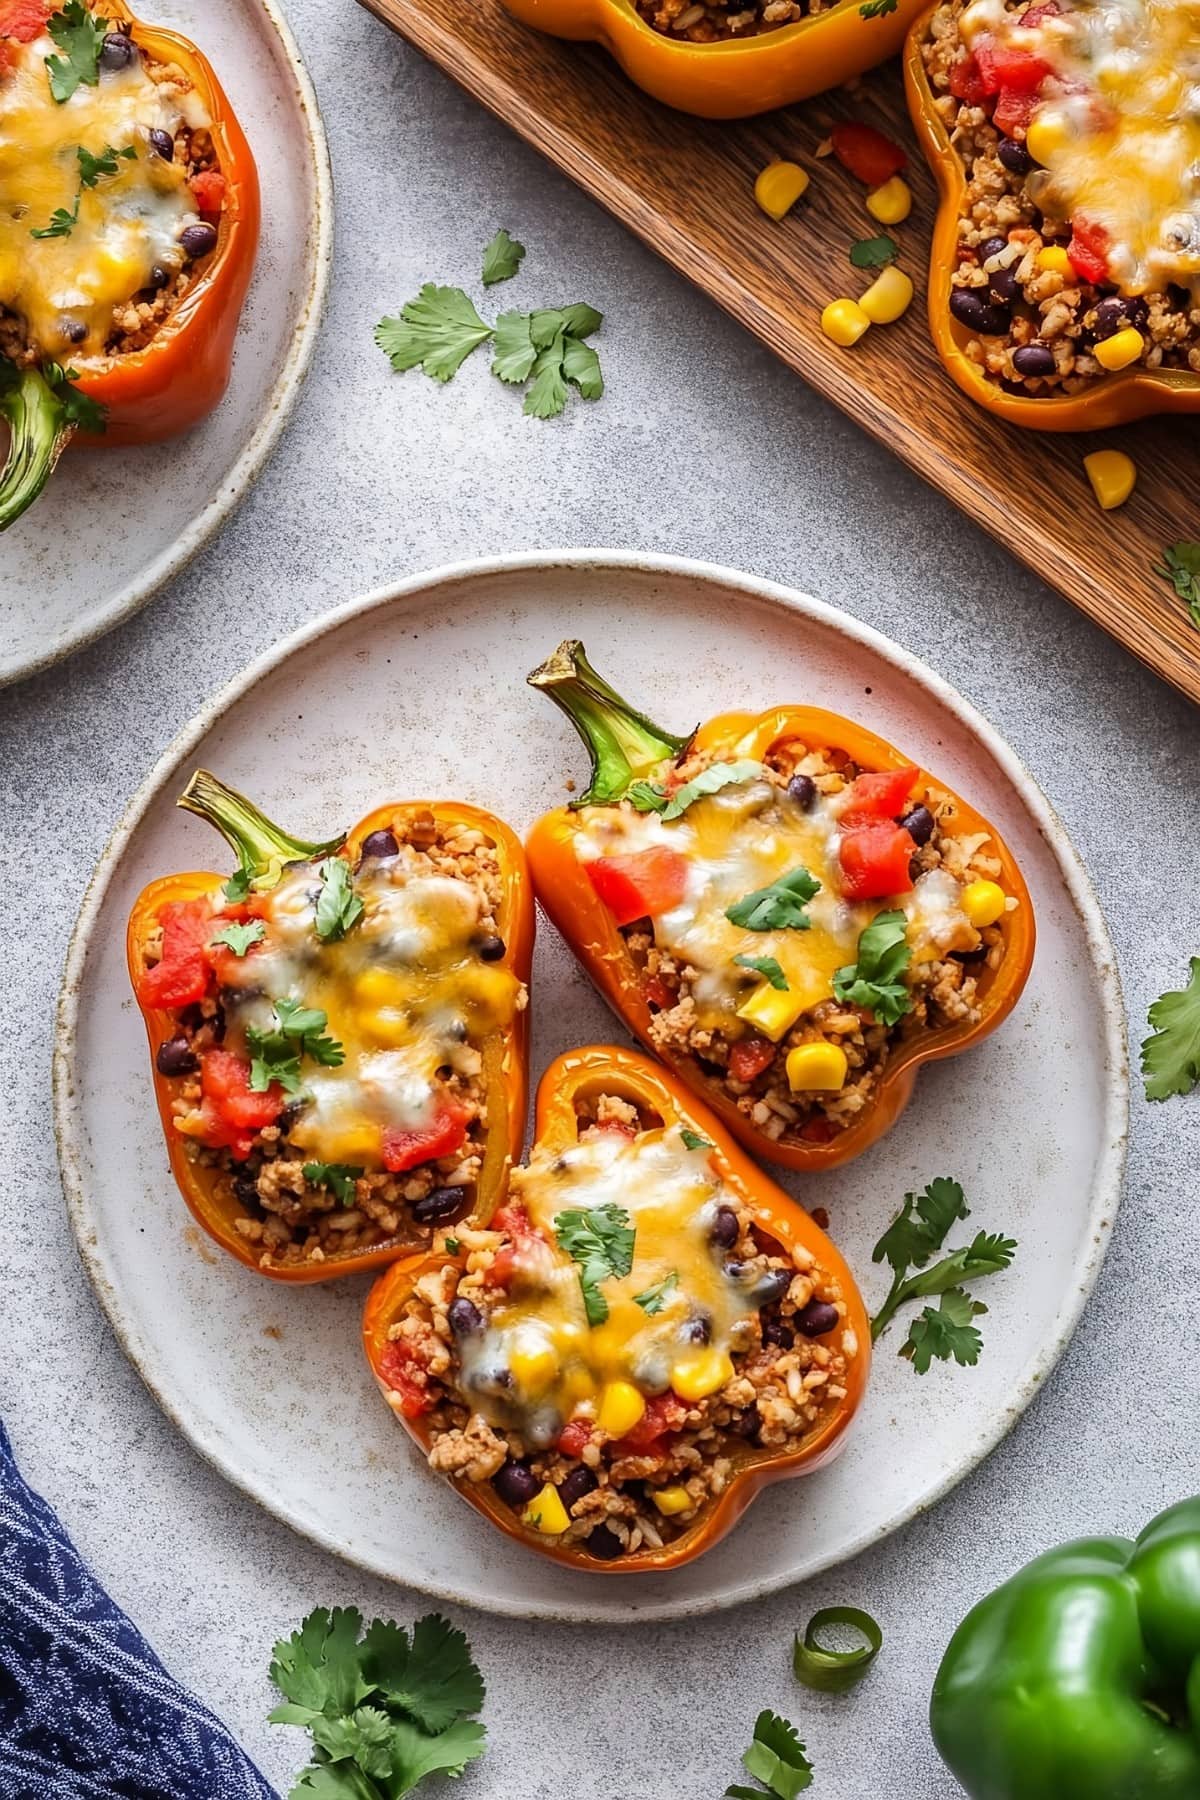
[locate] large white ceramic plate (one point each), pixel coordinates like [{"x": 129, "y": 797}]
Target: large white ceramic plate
[
  {"x": 115, "y": 525},
  {"x": 419, "y": 691}
]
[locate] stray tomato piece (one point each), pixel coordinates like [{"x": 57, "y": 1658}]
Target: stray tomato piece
[
  {"x": 664, "y": 1413},
  {"x": 749, "y": 1057},
  {"x": 1088, "y": 249},
  {"x": 1014, "y": 110},
  {"x": 23, "y": 20},
  {"x": 867, "y": 154},
  {"x": 208, "y": 191},
  {"x": 425, "y": 1143},
  {"x": 574, "y": 1437},
  {"x": 182, "y": 976},
  {"x": 642, "y": 885},
  {"x": 966, "y": 81},
  {"x": 879, "y": 796},
  {"x": 406, "y": 1377},
  {"x": 875, "y": 861}
]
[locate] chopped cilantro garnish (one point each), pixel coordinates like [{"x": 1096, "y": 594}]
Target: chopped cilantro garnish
[
  {"x": 502, "y": 258},
  {"x": 62, "y": 223},
  {"x": 80, "y": 36},
  {"x": 874, "y": 253},
  {"x": 1171, "y": 1057},
  {"x": 341, "y": 1177},
  {"x": 451, "y": 1246},
  {"x": 876, "y": 9},
  {"x": 438, "y": 330},
  {"x": 875, "y": 982},
  {"x": 767, "y": 967},
  {"x": 601, "y": 1241},
  {"x": 910, "y": 1241},
  {"x": 275, "y": 1054},
  {"x": 239, "y": 938},
  {"x": 777, "y": 1758},
  {"x": 79, "y": 409},
  {"x": 778, "y": 907},
  {"x": 692, "y": 1139},
  {"x": 654, "y": 1298},
  {"x": 91, "y": 168},
  {"x": 648, "y": 796},
  {"x": 338, "y": 906},
  {"x": 1181, "y": 567}
]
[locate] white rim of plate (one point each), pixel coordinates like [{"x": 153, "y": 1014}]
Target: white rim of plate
[
  {"x": 1111, "y": 1161},
  {"x": 277, "y": 405}
]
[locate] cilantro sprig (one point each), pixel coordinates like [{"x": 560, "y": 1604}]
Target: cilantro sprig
[
  {"x": 654, "y": 1298},
  {"x": 275, "y": 1054},
  {"x": 875, "y": 982},
  {"x": 914, "y": 1237},
  {"x": 341, "y": 1177},
  {"x": 239, "y": 938},
  {"x": 777, "y": 907},
  {"x": 601, "y": 1241},
  {"x": 1171, "y": 1055},
  {"x": 650, "y": 796},
  {"x": 777, "y": 1759},
  {"x": 385, "y": 1710},
  {"x": 767, "y": 967},
  {"x": 338, "y": 906},
  {"x": 1181, "y": 567},
  {"x": 502, "y": 258},
  {"x": 80, "y": 36},
  {"x": 436, "y": 332},
  {"x": 91, "y": 168}
]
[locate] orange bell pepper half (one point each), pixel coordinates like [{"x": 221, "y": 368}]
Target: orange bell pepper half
[{"x": 780, "y": 1227}]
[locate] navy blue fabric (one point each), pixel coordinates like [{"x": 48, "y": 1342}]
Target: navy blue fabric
[{"x": 87, "y": 1711}]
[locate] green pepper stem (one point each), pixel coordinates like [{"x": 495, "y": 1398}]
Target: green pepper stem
[
  {"x": 624, "y": 745},
  {"x": 39, "y": 430},
  {"x": 261, "y": 847}
]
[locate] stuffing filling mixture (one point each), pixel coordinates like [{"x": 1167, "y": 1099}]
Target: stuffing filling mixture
[
  {"x": 713, "y": 20},
  {"x": 618, "y": 1341},
  {"x": 329, "y": 1057},
  {"x": 1078, "y": 123},
  {"x": 796, "y": 921},
  {"x": 110, "y": 193}
]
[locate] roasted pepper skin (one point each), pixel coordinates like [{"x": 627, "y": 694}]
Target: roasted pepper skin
[
  {"x": 566, "y": 893},
  {"x": 505, "y": 1056},
  {"x": 1079, "y": 1679},
  {"x": 734, "y": 79},
  {"x": 1113, "y": 399},
  {"x": 607, "y": 1069}
]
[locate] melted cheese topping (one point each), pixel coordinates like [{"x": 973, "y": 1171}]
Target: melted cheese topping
[
  {"x": 1125, "y": 115},
  {"x": 539, "y": 1362},
  {"x": 405, "y": 992},
  {"x": 745, "y": 837},
  {"x": 127, "y": 223}
]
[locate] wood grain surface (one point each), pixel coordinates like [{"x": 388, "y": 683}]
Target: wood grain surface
[{"x": 684, "y": 186}]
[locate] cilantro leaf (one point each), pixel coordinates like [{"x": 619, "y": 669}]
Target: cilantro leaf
[
  {"x": 547, "y": 346},
  {"x": 646, "y": 796},
  {"x": 601, "y": 1241},
  {"x": 431, "y": 1678},
  {"x": 1171, "y": 1057},
  {"x": 80, "y": 36},
  {"x": 874, "y": 253},
  {"x": 778, "y": 907},
  {"x": 275, "y": 1053},
  {"x": 777, "y": 1758},
  {"x": 515, "y": 350},
  {"x": 502, "y": 258},
  {"x": 239, "y": 938},
  {"x": 581, "y": 366},
  {"x": 875, "y": 981},
  {"x": 317, "y": 1669},
  {"x": 692, "y": 1139},
  {"x": 910, "y": 1241},
  {"x": 438, "y": 330},
  {"x": 1181, "y": 567},
  {"x": 709, "y": 781},
  {"x": 79, "y": 410},
  {"x": 876, "y": 9},
  {"x": 654, "y": 1298},
  {"x": 338, "y": 906},
  {"x": 944, "y": 1332},
  {"x": 577, "y": 321},
  {"x": 414, "y": 1756},
  {"x": 341, "y": 1177},
  {"x": 767, "y": 967},
  {"x": 62, "y": 223},
  {"x": 91, "y": 168},
  {"x": 547, "y": 394}
]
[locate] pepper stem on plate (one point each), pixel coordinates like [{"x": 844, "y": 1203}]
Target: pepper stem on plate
[
  {"x": 263, "y": 850},
  {"x": 41, "y": 419},
  {"x": 623, "y": 744}
]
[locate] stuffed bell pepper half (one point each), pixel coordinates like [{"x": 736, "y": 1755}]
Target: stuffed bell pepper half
[
  {"x": 783, "y": 907},
  {"x": 129, "y": 217},
  {"x": 339, "y": 1030},
  {"x": 646, "y": 1334}
]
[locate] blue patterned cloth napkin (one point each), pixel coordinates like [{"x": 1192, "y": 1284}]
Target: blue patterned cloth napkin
[{"x": 87, "y": 1711}]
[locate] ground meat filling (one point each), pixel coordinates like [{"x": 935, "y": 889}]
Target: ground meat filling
[
  {"x": 1034, "y": 317},
  {"x": 717, "y": 20},
  {"x": 564, "y": 1474}
]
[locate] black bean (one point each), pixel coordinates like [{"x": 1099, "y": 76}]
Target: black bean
[
  {"x": 246, "y": 1189},
  {"x": 515, "y": 1483},
  {"x": 198, "y": 240},
  {"x": 1002, "y": 286},
  {"x": 972, "y": 310},
  {"x": 919, "y": 824},
  {"x": 379, "y": 843},
  {"x": 176, "y": 1057},
  {"x": 73, "y": 330},
  {"x": 817, "y": 1319},
  {"x": 491, "y": 947},
  {"x": 1034, "y": 359},
  {"x": 574, "y": 1486},
  {"x": 803, "y": 790},
  {"x": 439, "y": 1204},
  {"x": 725, "y": 1228},
  {"x": 605, "y": 1544},
  {"x": 464, "y": 1319},
  {"x": 697, "y": 1330},
  {"x": 117, "y": 51},
  {"x": 159, "y": 276},
  {"x": 775, "y": 1332},
  {"x": 1014, "y": 156},
  {"x": 991, "y": 247},
  {"x": 1114, "y": 314},
  {"x": 163, "y": 144}
]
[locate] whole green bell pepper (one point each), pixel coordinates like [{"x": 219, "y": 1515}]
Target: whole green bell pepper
[{"x": 1079, "y": 1679}]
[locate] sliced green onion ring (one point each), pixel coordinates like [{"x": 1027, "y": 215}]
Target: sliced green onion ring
[{"x": 835, "y": 1671}]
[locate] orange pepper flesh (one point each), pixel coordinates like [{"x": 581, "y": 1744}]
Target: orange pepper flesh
[{"x": 578, "y": 1075}]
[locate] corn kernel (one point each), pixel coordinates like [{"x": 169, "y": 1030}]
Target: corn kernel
[
  {"x": 816, "y": 1067},
  {"x": 844, "y": 321},
  {"x": 672, "y": 1500},
  {"x": 488, "y": 996},
  {"x": 1046, "y": 136},
  {"x": 888, "y": 297},
  {"x": 1053, "y": 259},
  {"x": 891, "y": 203},
  {"x": 534, "y": 1366},
  {"x": 1112, "y": 475},
  {"x": 1121, "y": 349},
  {"x": 983, "y": 903},
  {"x": 706, "y": 1372},
  {"x": 577, "y": 1386},
  {"x": 773, "y": 1010},
  {"x": 546, "y": 1512},
  {"x": 377, "y": 987},
  {"x": 621, "y": 1406},
  {"x": 779, "y": 187}
]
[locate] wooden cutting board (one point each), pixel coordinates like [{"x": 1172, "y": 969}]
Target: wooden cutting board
[{"x": 684, "y": 186}]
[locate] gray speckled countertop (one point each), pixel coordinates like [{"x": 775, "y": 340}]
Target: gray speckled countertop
[{"x": 705, "y": 446}]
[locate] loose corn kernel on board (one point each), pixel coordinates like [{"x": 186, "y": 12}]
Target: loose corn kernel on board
[{"x": 686, "y": 188}]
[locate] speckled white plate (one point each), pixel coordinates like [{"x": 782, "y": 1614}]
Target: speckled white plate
[
  {"x": 115, "y": 525},
  {"x": 419, "y": 690}
]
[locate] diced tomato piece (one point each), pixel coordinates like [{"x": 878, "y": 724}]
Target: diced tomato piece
[
  {"x": 879, "y": 796},
  {"x": 867, "y": 154},
  {"x": 230, "y": 1114},
  {"x": 966, "y": 81},
  {"x": 574, "y": 1437},
  {"x": 666, "y": 1412},
  {"x": 643, "y": 884},
  {"x": 1008, "y": 71},
  {"x": 875, "y": 861},
  {"x": 514, "y": 1222},
  {"x": 182, "y": 976},
  {"x": 749, "y": 1057},
  {"x": 405, "y": 1149},
  {"x": 23, "y": 20},
  {"x": 1088, "y": 249},
  {"x": 401, "y": 1371},
  {"x": 1014, "y": 110},
  {"x": 208, "y": 191},
  {"x": 659, "y": 994}
]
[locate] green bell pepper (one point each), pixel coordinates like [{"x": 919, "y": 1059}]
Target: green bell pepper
[{"x": 1079, "y": 1679}]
